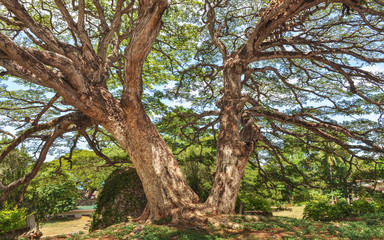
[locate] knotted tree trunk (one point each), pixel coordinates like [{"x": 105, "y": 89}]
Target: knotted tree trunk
[{"x": 232, "y": 150}]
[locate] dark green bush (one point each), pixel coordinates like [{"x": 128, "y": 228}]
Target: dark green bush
[
  {"x": 316, "y": 210},
  {"x": 322, "y": 210},
  {"x": 257, "y": 204},
  {"x": 340, "y": 210},
  {"x": 122, "y": 197},
  {"x": 362, "y": 206},
  {"x": 379, "y": 205},
  {"x": 12, "y": 218}
]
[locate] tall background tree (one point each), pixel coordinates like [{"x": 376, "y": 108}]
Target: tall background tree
[{"x": 262, "y": 71}]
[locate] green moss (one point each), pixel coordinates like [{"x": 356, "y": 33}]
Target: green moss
[{"x": 122, "y": 196}]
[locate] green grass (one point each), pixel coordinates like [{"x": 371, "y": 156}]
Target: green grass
[
  {"x": 66, "y": 226},
  {"x": 365, "y": 227},
  {"x": 297, "y": 212}
]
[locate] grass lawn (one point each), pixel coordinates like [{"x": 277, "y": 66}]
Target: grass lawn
[
  {"x": 297, "y": 212},
  {"x": 66, "y": 226}
]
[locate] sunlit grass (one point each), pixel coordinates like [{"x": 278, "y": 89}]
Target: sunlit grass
[
  {"x": 66, "y": 226},
  {"x": 297, "y": 212}
]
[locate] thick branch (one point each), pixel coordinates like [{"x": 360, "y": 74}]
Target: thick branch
[
  {"x": 52, "y": 43},
  {"x": 76, "y": 117},
  {"x": 143, "y": 37}
]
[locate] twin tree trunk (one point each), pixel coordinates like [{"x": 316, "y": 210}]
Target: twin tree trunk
[{"x": 165, "y": 187}]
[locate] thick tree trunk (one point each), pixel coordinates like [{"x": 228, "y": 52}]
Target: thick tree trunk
[
  {"x": 165, "y": 187},
  {"x": 232, "y": 151}
]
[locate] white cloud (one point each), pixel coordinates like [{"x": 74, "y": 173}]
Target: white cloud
[{"x": 374, "y": 68}]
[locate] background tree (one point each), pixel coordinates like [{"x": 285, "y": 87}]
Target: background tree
[
  {"x": 45, "y": 200},
  {"x": 85, "y": 169},
  {"x": 15, "y": 166}
]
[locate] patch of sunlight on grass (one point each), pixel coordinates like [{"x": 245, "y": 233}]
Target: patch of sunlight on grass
[
  {"x": 297, "y": 212},
  {"x": 66, "y": 226}
]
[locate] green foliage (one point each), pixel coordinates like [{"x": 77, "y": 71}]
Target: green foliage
[
  {"x": 316, "y": 210},
  {"x": 60, "y": 183},
  {"x": 47, "y": 199},
  {"x": 340, "y": 210},
  {"x": 199, "y": 177},
  {"x": 12, "y": 218},
  {"x": 85, "y": 168},
  {"x": 252, "y": 203},
  {"x": 362, "y": 206},
  {"x": 379, "y": 205},
  {"x": 12, "y": 168},
  {"x": 322, "y": 210},
  {"x": 122, "y": 196}
]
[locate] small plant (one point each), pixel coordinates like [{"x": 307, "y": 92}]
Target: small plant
[
  {"x": 12, "y": 218},
  {"x": 257, "y": 204}
]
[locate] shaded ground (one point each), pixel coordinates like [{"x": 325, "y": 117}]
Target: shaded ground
[
  {"x": 82, "y": 224},
  {"x": 73, "y": 225},
  {"x": 246, "y": 227}
]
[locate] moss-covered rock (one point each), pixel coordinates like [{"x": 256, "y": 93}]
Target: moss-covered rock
[{"x": 122, "y": 196}]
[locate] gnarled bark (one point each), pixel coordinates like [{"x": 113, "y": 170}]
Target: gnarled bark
[
  {"x": 165, "y": 187},
  {"x": 233, "y": 148}
]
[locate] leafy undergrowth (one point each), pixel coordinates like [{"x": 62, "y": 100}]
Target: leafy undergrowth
[{"x": 247, "y": 227}]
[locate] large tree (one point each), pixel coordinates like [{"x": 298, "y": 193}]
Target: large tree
[{"x": 285, "y": 68}]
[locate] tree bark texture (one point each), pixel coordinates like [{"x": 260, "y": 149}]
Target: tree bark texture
[
  {"x": 232, "y": 150},
  {"x": 165, "y": 187}
]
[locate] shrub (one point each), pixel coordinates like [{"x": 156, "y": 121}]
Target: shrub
[
  {"x": 316, "y": 210},
  {"x": 322, "y": 210},
  {"x": 340, "y": 210},
  {"x": 379, "y": 205},
  {"x": 12, "y": 218},
  {"x": 362, "y": 206},
  {"x": 122, "y": 197},
  {"x": 257, "y": 204}
]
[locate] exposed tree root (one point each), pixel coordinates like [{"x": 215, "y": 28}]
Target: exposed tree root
[{"x": 197, "y": 216}]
